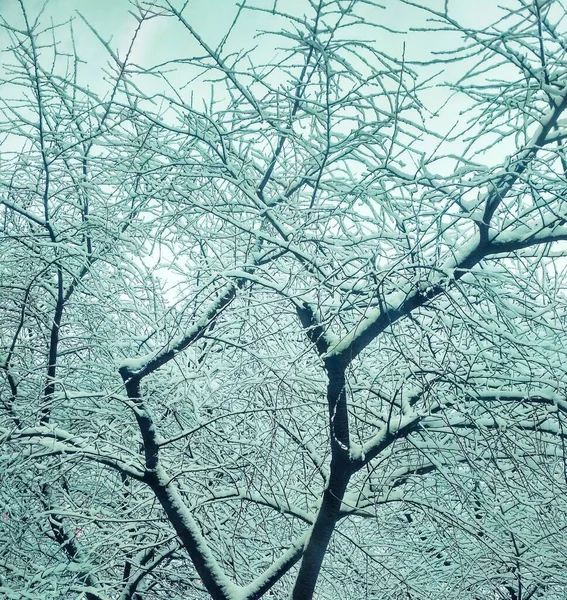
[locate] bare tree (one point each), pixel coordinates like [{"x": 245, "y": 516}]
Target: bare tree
[{"x": 301, "y": 335}]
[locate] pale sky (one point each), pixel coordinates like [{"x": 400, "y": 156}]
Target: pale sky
[
  {"x": 161, "y": 40},
  {"x": 212, "y": 18}
]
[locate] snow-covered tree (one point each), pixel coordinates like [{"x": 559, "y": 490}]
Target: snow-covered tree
[{"x": 285, "y": 317}]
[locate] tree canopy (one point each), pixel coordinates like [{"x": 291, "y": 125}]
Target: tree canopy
[{"x": 283, "y": 316}]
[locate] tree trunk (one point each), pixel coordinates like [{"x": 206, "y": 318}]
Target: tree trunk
[{"x": 322, "y": 531}]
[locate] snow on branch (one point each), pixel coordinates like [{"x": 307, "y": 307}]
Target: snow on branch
[
  {"x": 60, "y": 442},
  {"x": 142, "y": 366}
]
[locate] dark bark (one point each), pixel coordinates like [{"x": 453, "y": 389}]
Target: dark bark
[
  {"x": 340, "y": 472},
  {"x": 71, "y": 549},
  {"x": 322, "y": 532},
  {"x": 53, "y": 352},
  {"x": 188, "y": 540},
  {"x": 162, "y": 491}
]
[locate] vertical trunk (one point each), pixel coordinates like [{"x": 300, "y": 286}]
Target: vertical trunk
[
  {"x": 321, "y": 533},
  {"x": 53, "y": 352},
  {"x": 340, "y": 472}
]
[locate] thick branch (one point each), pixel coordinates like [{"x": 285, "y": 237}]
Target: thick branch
[{"x": 144, "y": 365}]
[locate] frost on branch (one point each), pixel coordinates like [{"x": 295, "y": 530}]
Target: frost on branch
[{"x": 283, "y": 301}]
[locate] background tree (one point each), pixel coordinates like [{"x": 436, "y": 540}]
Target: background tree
[{"x": 302, "y": 337}]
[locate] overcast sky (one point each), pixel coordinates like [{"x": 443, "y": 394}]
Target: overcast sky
[
  {"x": 212, "y": 18},
  {"x": 161, "y": 40},
  {"x": 164, "y": 39}
]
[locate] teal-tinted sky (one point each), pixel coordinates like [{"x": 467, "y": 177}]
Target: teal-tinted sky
[
  {"x": 212, "y": 18},
  {"x": 161, "y": 40}
]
